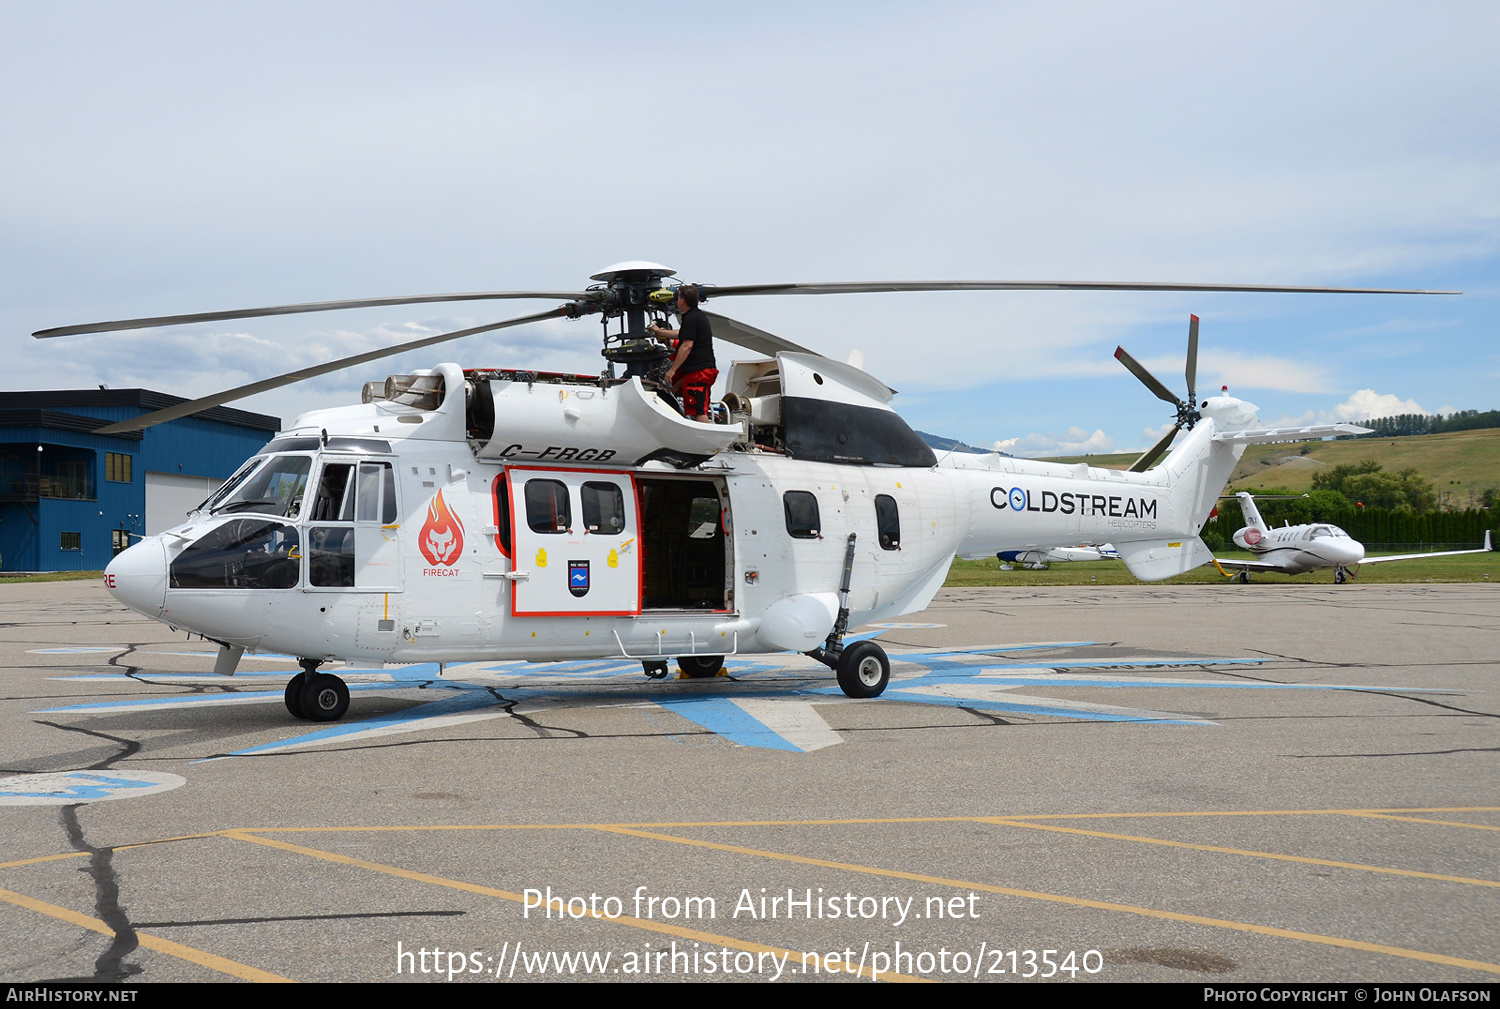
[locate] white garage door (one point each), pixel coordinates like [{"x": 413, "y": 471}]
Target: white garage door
[{"x": 170, "y": 496}]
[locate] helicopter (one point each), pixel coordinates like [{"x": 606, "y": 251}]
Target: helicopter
[{"x": 459, "y": 515}]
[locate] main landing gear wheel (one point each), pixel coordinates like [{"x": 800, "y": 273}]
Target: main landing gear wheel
[
  {"x": 864, "y": 669},
  {"x": 325, "y": 698},
  {"x": 293, "y": 695},
  {"x": 1244, "y": 578},
  {"x": 698, "y": 667}
]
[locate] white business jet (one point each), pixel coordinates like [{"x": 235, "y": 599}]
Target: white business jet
[{"x": 1292, "y": 550}]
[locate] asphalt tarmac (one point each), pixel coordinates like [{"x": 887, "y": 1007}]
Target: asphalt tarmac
[{"x": 1139, "y": 783}]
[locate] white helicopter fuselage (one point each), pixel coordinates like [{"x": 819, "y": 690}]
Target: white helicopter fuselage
[{"x": 588, "y": 520}]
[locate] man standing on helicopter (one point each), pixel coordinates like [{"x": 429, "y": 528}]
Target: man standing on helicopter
[{"x": 693, "y": 369}]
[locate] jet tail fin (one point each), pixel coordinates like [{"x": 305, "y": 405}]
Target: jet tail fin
[{"x": 1252, "y": 513}]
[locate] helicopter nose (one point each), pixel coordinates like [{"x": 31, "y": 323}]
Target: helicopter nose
[{"x": 138, "y": 577}]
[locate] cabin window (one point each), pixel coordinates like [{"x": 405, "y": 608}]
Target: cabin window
[
  {"x": 240, "y": 554},
  {"x": 502, "y": 514},
  {"x": 377, "y": 484},
  {"x": 547, "y": 507},
  {"x": 335, "y": 500},
  {"x": 330, "y": 556},
  {"x": 802, "y": 520},
  {"x": 888, "y": 522},
  {"x": 603, "y": 508}
]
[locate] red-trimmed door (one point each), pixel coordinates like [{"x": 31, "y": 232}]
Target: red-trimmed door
[{"x": 576, "y": 536}]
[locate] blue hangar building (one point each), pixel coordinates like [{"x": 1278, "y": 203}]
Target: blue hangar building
[{"x": 71, "y": 499}]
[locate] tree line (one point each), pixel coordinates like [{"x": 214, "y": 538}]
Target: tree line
[
  {"x": 1428, "y": 423},
  {"x": 1374, "y": 506}
]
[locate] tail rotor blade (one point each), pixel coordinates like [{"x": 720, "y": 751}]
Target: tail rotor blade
[
  {"x": 1151, "y": 382},
  {"x": 1150, "y": 455},
  {"x": 1192, "y": 359}
]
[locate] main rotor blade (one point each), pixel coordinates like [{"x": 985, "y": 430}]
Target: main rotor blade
[
  {"x": 1150, "y": 380},
  {"x": 311, "y": 306},
  {"x": 872, "y": 287},
  {"x": 758, "y": 340},
  {"x": 291, "y": 377},
  {"x": 1192, "y": 359},
  {"x": 1149, "y": 456}
]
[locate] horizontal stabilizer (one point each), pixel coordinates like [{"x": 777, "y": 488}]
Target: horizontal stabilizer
[
  {"x": 1154, "y": 560},
  {"x": 1270, "y": 434}
]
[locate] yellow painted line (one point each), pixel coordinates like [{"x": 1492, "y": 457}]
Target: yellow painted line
[
  {"x": 855, "y": 821},
  {"x": 1418, "y": 819},
  {"x": 489, "y": 891},
  {"x": 1246, "y": 852},
  {"x": 1252, "y": 812},
  {"x": 1149, "y": 912},
  {"x": 177, "y": 949},
  {"x": 43, "y": 858}
]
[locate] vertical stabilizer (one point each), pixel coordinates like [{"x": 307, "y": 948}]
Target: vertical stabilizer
[{"x": 1252, "y": 513}]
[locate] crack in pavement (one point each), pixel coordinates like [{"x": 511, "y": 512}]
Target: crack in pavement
[{"x": 111, "y": 965}]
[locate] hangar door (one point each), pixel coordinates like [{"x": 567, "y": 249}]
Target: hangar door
[{"x": 170, "y": 496}]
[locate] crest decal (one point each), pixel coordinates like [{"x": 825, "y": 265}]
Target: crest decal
[{"x": 442, "y": 537}]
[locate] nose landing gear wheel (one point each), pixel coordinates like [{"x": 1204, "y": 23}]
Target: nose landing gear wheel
[
  {"x": 864, "y": 669},
  {"x": 697, "y": 667},
  {"x": 324, "y": 698},
  {"x": 293, "y": 695}
]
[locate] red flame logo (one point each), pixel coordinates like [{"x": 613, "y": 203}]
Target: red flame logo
[{"x": 442, "y": 537}]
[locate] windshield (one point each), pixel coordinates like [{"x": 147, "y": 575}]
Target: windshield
[{"x": 275, "y": 488}]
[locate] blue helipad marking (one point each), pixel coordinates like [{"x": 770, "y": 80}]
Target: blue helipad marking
[
  {"x": 80, "y": 650},
  {"x": 711, "y": 703},
  {"x": 224, "y": 697},
  {"x": 1061, "y": 711},
  {"x": 90, "y": 785},
  {"x": 282, "y": 674},
  {"x": 464, "y": 700},
  {"x": 723, "y": 716}
]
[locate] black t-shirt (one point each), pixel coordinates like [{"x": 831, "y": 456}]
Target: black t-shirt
[{"x": 695, "y": 327}]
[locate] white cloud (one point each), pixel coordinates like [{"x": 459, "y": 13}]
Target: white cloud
[
  {"x": 1074, "y": 441},
  {"x": 1150, "y": 435},
  {"x": 1367, "y": 404}
]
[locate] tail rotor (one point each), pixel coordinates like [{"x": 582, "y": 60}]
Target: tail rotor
[{"x": 1187, "y": 411}]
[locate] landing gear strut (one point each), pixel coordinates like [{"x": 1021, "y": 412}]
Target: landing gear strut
[
  {"x": 863, "y": 668},
  {"x": 318, "y": 697}
]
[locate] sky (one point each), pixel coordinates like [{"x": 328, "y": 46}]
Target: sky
[{"x": 160, "y": 158}]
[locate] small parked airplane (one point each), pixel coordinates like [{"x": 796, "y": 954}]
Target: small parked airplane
[
  {"x": 1038, "y": 559},
  {"x": 1292, "y": 550}
]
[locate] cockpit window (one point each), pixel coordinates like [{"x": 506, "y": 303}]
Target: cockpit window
[
  {"x": 240, "y": 554},
  {"x": 276, "y": 488},
  {"x": 1318, "y": 532},
  {"x": 227, "y": 487}
]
